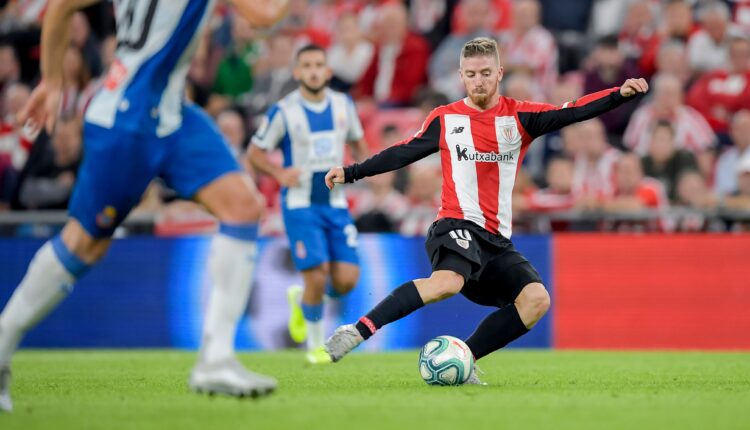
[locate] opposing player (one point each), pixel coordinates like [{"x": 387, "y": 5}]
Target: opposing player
[
  {"x": 311, "y": 127},
  {"x": 482, "y": 140},
  {"x": 136, "y": 128}
]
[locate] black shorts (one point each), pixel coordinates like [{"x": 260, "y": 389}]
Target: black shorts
[{"x": 494, "y": 271}]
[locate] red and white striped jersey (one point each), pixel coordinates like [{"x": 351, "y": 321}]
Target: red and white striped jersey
[{"x": 482, "y": 151}]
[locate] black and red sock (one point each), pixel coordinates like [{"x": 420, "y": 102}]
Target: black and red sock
[
  {"x": 495, "y": 331},
  {"x": 400, "y": 303}
]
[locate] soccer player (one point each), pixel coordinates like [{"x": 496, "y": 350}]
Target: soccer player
[
  {"x": 482, "y": 140},
  {"x": 311, "y": 126},
  {"x": 138, "y": 127}
]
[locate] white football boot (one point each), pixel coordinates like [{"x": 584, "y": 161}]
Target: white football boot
[
  {"x": 343, "y": 341},
  {"x": 474, "y": 378},
  {"x": 6, "y": 405},
  {"x": 230, "y": 378}
]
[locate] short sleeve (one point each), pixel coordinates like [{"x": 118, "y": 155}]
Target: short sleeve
[{"x": 271, "y": 131}]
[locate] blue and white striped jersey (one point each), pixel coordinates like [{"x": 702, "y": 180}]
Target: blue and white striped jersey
[
  {"x": 144, "y": 89},
  {"x": 312, "y": 137}
]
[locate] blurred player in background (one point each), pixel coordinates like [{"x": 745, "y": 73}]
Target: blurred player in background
[
  {"x": 482, "y": 140},
  {"x": 138, "y": 127},
  {"x": 311, "y": 127}
]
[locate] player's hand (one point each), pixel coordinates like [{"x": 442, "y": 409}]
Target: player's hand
[
  {"x": 289, "y": 177},
  {"x": 632, "y": 87},
  {"x": 40, "y": 110},
  {"x": 335, "y": 176}
]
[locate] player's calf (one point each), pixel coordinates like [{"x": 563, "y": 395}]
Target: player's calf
[{"x": 533, "y": 303}]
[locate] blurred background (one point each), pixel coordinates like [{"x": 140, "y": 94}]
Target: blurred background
[{"x": 641, "y": 211}]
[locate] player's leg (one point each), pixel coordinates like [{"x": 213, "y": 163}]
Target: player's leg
[
  {"x": 344, "y": 277},
  {"x": 114, "y": 173},
  {"x": 200, "y": 165},
  {"x": 342, "y": 247},
  {"x": 522, "y": 299},
  {"x": 450, "y": 268},
  {"x": 305, "y": 228}
]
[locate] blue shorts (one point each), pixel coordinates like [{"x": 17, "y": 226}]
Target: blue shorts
[
  {"x": 119, "y": 164},
  {"x": 320, "y": 234}
]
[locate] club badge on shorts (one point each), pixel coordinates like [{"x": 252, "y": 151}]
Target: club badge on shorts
[{"x": 462, "y": 237}]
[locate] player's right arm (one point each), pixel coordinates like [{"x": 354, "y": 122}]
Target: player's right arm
[
  {"x": 268, "y": 137},
  {"x": 422, "y": 144},
  {"x": 261, "y": 13},
  {"x": 41, "y": 108}
]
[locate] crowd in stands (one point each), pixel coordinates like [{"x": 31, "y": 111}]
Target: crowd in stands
[{"x": 684, "y": 145}]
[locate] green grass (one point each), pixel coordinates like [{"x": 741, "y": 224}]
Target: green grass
[{"x": 528, "y": 389}]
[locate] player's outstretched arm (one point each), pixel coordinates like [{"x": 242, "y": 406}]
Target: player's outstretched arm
[
  {"x": 261, "y": 13},
  {"x": 41, "y": 108},
  {"x": 422, "y": 144},
  {"x": 540, "y": 118}
]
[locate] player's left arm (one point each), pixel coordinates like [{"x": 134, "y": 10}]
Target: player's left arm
[
  {"x": 540, "y": 118},
  {"x": 41, "y": 108},
  {"x": 261, "y": 13}
]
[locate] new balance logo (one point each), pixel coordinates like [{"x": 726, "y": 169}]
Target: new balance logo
[
  {"x": 462, "y": 237},
  {"x": 457, "y": 130},
  {"x": 463, "y": 154}
]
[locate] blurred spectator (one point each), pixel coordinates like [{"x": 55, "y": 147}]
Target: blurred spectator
[
  {"x": 693, "y": 192},
  {"x": 444, "y": 62},
  {"x": 76, "y": 78},
  {"x": 638, "y": 29},
  {"x": 232, "y": 127},
  {"x": 234, "y": 76},
  {"x": 607, "y": 68},
  {"x": 349, "y": 55},
  {"x": 433, "y": 19},
  {"x": 48, "y": 177},
  {"x": 725, "y": 181},
  {"x": 82, "y": 38},
  {"x": 530, "y": 47},
  {"x": 13, "y": 144},
  {"x": 399, "y": 67},
  {"x": 566, "y": 16},
  {"x": 672, "y": 60},
  {"x": 719, "y": 94},
  {"x": 692, "y": 131},
  {"x": 740, "y": 200},
  {"x": 297, "y": 24},
  {"x": 380, "y": 207},
  {"x": 10, "y": 70},
  {"x": 634, "y": 192},
  {"x": 499, "y": 16},
  {"x": 275, "y": 80},
  {"x": 676, "y": 27},
  {"x": 424, "y": 198},
  {"x": 559, "y": 192},
  {"x": 664, "y": 161},
  {"x": 708, "y": 48},
  {"x": 594, "y": 163}
]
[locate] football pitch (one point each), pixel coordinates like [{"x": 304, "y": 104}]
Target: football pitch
[{"x": 96, "y": 389}]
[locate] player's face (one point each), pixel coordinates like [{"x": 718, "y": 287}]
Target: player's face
[
  {"x": 311, "y": 71},
  {"x": 481, "y": 77}
]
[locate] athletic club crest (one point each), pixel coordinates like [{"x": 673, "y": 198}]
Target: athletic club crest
[
  {"x": 462, "y": 237},
  {"x": 507, "y": 131}
]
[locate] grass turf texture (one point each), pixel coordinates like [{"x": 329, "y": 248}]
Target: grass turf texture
[{"x": 528, "y": 389}]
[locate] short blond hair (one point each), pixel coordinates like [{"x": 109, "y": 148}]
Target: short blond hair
[{"x": 480, "y": 47}]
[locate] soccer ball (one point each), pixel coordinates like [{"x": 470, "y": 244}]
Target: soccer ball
[{"x": 445, "y": 360}]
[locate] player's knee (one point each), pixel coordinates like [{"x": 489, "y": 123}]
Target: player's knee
[
  {"x": 245, "y": 208},
  {"x": 535, "y": 300},
  {"x": 84, "y": 246}
]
